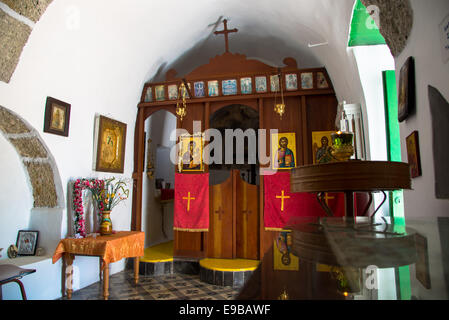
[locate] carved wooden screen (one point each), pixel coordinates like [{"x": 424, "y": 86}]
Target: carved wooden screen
[{"x": 311, "y": 105}]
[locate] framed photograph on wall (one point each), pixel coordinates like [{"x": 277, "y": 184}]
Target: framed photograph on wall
[
  {"x": 414, "y": 158},
  {"x": 406, "y": 99},
  {"x": 57, "y": 117},
  {"x": 27, "y": 242},
  {"x": 283, "y": 151},
  {"x": 110, "y": 145}
]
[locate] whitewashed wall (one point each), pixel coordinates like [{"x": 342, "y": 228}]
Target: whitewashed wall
[{"x": 424, "y": 45}]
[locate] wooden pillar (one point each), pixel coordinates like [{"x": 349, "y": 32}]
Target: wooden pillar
[
  {"x": 234, "y": 174},
  {"x": 261, "y": 196},
  {"x": 204, "y": 238},
  {"x": 305, "y": 132},
  {"x": 139, "y": 155}
]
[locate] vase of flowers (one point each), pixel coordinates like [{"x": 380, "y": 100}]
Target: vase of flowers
[
  {"x": 106, "y": 223},
  {"x": 112, "y": 194}
]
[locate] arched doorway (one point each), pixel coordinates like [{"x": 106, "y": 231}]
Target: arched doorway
[
  {"x": 157, "y": 215},
  {"x": 238, "y": 117},
  {"x": 234, "y": 190}
]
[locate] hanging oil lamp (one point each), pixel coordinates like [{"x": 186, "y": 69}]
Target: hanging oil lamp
[
  {"x": 279, "y": 108},
  {"x": 181, "y": 108}
]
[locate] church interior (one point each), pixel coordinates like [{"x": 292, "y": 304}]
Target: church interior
[{"x": 228, "y": 150}]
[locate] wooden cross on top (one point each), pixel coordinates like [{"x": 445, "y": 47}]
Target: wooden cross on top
[{"x": 226, "y": 32}]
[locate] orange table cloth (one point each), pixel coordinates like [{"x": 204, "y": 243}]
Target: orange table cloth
[{"x": 111, "y": 248}]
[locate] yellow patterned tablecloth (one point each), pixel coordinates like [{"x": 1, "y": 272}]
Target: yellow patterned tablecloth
[{"x": 111, "y": 248}]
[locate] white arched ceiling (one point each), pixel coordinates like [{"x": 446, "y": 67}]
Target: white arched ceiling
[
  {"x": 134, "y": 38},
  {"x": 268, "y": 31}
]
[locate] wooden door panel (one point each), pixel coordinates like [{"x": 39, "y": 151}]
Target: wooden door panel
[
  {"x": 247, "y": 219},
  {"x": 219, "y": 238}
]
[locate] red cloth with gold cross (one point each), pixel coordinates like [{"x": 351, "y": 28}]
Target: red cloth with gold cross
[
  {"x": 281, "y": 206},
  {"x": 191, "y": 208}
]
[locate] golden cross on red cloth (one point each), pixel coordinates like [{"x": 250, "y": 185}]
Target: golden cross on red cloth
[
  {"x": 327, "y": 198},
  {"x": 282, "y": 197},
  {"x": 226, "y": 32},
  {"x": 188, "y": 198}
]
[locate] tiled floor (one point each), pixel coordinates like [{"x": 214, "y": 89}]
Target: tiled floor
[{"x": 165, "y": 287}]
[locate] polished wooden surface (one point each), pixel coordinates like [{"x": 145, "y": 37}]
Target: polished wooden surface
[
  {"x": 234, "y": 218},
  {"x": 219, "y": 238},
  {"x": 351, "y": 176},
  {"x": 247, "y": 219}
]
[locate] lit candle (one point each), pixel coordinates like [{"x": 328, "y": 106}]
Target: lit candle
[{"x": 342, "y": 145}]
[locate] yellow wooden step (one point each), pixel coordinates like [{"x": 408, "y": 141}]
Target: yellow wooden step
[
  {"x": 229, "y": 265},
  {"x": 159, "y": 253}
]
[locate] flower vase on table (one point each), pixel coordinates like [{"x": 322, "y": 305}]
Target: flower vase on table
[{"x": 106, "y": 223}]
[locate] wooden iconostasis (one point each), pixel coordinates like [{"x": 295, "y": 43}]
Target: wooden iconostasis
[{"x": 236, "y": 203}]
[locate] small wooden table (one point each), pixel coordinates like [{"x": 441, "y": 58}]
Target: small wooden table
[{"x": 111, "y": 248}]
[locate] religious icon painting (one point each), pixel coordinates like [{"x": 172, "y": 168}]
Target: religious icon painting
[
  {"x": 321, "y": 81},
  {"x": 283, "y": 258},
  {"x": 149, "y": 95},
  {"x": 283, "y": 151},
  {"x": 246, "y": 86},
  {"x": 199, "y": 89},
  {"x": 414, "y": 159},
  {"x": 261, "y": 84},
  {"x": 406, "y": 100},
  {"x": 307, "y": 80},
  {"x": 110, "y": 145},
  {"x": 322, "y": 147},
  {"x": 57, "y": 117},
  {"x": 212, "y": 88},
  {"x": 274, "y": 83},
  {"x": 191, "y": 155},
  {"x": 291, "y": 81},
  {"x": 172, "y": 92},
  {"x": 229, "y": 87},
  {"x": 26, "y": 242},
  {"x": 160, "y": 93}
]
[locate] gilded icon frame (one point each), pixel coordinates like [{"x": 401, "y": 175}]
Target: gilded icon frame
[
  {"x": 110, "y": 145},
  {"x": 195, "y": 163}
]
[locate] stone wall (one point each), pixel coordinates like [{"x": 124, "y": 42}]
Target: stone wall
[
  {"x": 395, "y": 22},
  {"x": 14, "y": 34},
  {"x": 32, "y": 9},
  {"x": 35, "y": 157}
]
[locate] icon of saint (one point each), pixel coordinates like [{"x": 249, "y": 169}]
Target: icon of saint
[
  {"x": 191, "y": 159},
  {"x": 285, "y": 156},
  {"x": 324, "y": 153}
]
